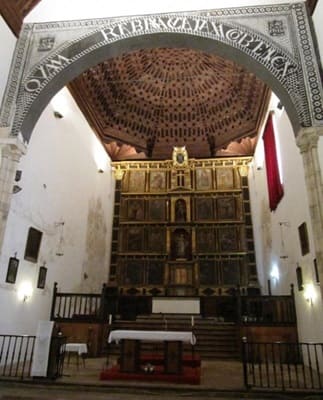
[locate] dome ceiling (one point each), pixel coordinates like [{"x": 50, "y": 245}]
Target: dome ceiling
[{"x": 159, "y": 98}]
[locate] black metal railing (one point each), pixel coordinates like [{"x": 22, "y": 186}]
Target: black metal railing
[
  {"x": 16, "y": 352},
  {"x": 282, "y": 365}
]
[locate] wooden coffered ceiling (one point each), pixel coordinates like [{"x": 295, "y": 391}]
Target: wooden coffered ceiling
[{"x": 143, "y": 103}]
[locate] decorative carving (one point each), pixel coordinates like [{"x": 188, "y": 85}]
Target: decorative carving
[
  {"x": 276, "y": 27},
  {"x": 177, "y": 251},
  {"x": 46, "y": 43},
  {"x": 180, "y": 157}
]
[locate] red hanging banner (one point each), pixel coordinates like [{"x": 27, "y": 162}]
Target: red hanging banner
[{"x": 275, "y": 187}]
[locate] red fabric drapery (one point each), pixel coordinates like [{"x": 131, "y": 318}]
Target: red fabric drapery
[{"x": 275, "y": 187}]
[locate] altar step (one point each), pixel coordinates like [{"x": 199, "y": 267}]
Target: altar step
[
  {"x": 189, "y": 375},
  {"x": 216, "y": 340}
]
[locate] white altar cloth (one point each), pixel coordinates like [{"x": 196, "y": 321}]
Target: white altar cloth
[{"x": 152, "y": 336}]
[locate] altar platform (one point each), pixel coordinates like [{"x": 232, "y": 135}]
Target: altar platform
[
  {"x": 152, "y": 369},
  {"x": 214, "y": 375},
  {"x": 170, "y": 365}
]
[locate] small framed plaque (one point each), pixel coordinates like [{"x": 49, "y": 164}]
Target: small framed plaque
[{"x": 12, "y": 270}]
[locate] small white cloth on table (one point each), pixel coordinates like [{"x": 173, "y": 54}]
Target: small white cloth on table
[{"x": 80, "y": 348}]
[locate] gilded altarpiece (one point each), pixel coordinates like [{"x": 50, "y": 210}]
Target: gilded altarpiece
[{"x": 184, "y": 228}]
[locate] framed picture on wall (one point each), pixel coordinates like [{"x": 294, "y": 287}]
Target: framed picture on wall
[
  {"x": 135, "y": 238},
  {"x": 205, "y": 240},
  {"x": 157, "y": 181},
  {"x": 135, "y": 209},
  {"x": 230, "y": 272},
  {"x": 228, "y": 238},
  {"x": 155, "y": 273},
  {"x": 137, "y": 181},
  {"x": 133, "y": 272},
  {"x": 208, "y": 272},
  {"x": 303, "y": 238},
  {"x": 42, "y": 277},
  {"x": 225, "y": 178},
  {"x": 226, "y": 208},
  {"x": 156, "y": 239},
  {"x": 203, "y": 179},
  {"x": 34, "y": 238},
  {"x": 157, "y": 209},
  {"x": 204, "y": 208},
  {"x": 12, "y": 270}
]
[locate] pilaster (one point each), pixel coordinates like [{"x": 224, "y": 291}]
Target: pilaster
[
  {"x": 307, "y": 141},
  {"x": 11, "y": 150}
]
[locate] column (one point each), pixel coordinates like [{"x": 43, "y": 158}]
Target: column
[
  {"x": 11, "y": 149},
  {"x": 307, "y": 141}
]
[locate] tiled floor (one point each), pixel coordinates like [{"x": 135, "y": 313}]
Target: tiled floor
[{"x": 219, "y": 380}]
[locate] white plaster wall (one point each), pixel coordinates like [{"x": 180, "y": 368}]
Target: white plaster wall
[
  {"x": 277, "y": 245},
  {"x": 60, "y": 183}
]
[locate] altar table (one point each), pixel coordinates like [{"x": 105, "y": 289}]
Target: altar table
[{"x": 130, "y": 347}]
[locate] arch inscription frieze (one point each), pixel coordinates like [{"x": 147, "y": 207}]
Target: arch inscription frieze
[{"x": 274, "y": 41}]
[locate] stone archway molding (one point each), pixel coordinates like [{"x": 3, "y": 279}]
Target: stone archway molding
[{"x": 273, "y": 41}]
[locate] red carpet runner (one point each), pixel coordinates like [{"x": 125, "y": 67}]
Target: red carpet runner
[{"x": 190, "y": 374}]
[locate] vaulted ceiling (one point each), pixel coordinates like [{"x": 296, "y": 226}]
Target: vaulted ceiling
[{"x": 143, "y": 103}]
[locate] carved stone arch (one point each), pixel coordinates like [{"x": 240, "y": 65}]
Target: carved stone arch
[{"x": 274, "y": 42}]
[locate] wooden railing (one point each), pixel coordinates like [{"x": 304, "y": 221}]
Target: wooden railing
[
  {"x": 267, "y": 310},
  {"x": 248, "y": 310},
  {"x": 76, "y": 306}
]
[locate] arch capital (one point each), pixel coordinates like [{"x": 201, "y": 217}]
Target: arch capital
[{"x": 307, "y": 138}]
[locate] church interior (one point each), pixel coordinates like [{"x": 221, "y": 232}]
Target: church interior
[{"x": 165, "y": 189}]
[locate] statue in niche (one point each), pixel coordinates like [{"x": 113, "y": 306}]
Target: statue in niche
[
  {"x": 181, "y": 244},
  {"x": 180, "y": 210}
]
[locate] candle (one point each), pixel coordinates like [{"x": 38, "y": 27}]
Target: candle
[
  {"x": 110, "y": 319},
  {"x": 192, "y": 321}
]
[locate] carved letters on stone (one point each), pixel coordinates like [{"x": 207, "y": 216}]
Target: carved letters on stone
[{"x": 292, "y": 68}]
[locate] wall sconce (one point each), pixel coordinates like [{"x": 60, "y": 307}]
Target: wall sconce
[
  {"x": 60, "y": 103},
  {"x": 274, "y": 273},
  {"x": 58, "y": 115},
  {"x": 18, "y": 175},
  {"x": 309, "y": 293},
  {"x": 16, "y": 189},
  {"x": 25, "y": 291}
]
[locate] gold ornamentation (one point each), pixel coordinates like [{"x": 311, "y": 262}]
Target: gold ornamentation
[{"x": 180, "y": 157}]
